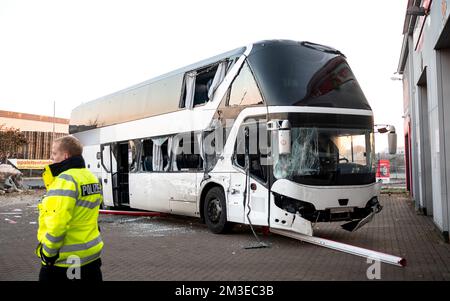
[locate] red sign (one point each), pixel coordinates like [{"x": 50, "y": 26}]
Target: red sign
[{"x": 383, "y": 169}]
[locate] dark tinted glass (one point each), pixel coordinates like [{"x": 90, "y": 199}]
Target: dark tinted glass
[
  {"x": 187, "y": 154},
  {"x": 203, "y": 81},
  {"x": 291, "y": 74}
]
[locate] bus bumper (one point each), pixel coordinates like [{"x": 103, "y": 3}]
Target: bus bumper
[{"x": 373, "y": 207}]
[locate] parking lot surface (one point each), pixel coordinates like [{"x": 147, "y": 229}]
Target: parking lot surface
[{"x": 179, "y": 248}]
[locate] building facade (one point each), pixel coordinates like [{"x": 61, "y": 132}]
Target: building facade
[
  {"x": 38, "y": 130},
  {"x": 425, "y": 66}
]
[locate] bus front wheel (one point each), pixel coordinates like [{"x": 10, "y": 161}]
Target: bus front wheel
[{"x": 215, "y": 211}]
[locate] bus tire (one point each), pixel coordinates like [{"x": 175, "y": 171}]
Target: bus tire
[{"x": 215, "y": 211}]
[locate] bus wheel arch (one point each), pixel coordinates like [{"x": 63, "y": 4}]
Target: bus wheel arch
[{"x": 213, "y": 209}]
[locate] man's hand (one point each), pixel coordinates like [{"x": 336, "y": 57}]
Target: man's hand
[{"x": 49, "y": 261}]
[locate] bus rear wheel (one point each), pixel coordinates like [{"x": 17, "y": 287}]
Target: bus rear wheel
[{"x": 215, "y": 211}]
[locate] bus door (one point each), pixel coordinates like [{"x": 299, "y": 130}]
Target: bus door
[
  {"x": 249, "y": 182},
  {"x": 120, "y": 176},
  {"x": 109, "y": 166}
]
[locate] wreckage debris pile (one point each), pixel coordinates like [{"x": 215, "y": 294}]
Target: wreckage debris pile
[{"x": 10, "y": 179}]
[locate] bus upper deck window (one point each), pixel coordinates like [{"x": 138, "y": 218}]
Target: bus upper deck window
[{"x": 200, "y": 85}]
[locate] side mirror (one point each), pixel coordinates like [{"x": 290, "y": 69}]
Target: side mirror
[
  {"x": 284, "y": 138},
  {"x": 392, "y": 136},
  {"x": 392, "y": 143}
]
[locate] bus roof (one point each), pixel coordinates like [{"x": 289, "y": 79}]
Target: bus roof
[{"x": 182, "y": 70}]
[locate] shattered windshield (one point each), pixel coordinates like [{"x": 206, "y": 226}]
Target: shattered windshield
[{"x": 327, "y": 156}]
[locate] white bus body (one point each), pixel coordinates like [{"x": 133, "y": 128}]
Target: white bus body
[{"x": 138, "y": 140}]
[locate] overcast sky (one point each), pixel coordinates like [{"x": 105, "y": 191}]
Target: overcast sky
[{"x": 76, "y": 51}]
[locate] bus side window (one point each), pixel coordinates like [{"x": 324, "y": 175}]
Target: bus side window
[
  {"x": 258, "y": 148},
  {"x": 187, "y": 153},
  {"x": 147, "y": 155},
  {"x": 155, "y": 154},
  {"x": 199, "y": 85},
  {"x": 239, "y": 149},
  {"x": 244, "y": 91}
]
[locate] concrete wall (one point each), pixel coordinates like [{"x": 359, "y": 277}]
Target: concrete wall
[
  {"x": 443, "y": 77},
  {"x": 428, "y": 74}
]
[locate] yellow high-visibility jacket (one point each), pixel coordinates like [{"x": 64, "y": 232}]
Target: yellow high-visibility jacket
[{"x": 68, "y": 215}]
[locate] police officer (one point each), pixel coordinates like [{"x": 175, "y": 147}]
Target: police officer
[{"x": 69, "y": 239}]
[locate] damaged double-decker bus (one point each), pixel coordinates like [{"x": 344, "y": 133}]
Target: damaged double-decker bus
[{"x": 277, "y": 134}]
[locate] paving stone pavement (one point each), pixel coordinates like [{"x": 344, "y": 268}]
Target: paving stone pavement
[{"x": 179, "y": 248}]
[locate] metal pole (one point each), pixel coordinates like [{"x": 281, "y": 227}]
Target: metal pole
[
  {"x": 53, "y": 134},
  {"x": 132, "y": 213},
  {"x": 351, "y": 137},
  {"x": 374, "y": 255}
]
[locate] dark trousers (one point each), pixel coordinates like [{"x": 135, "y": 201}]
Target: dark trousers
[{"x": 89, "y": 272}]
